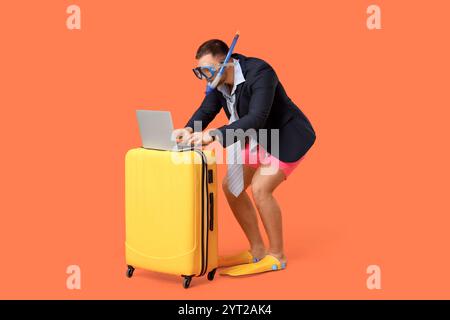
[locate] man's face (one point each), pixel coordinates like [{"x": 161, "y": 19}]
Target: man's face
[{"x": 209, "y": 60}]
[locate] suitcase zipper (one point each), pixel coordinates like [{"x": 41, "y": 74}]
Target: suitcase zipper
[{"x": 204, "y": 267}]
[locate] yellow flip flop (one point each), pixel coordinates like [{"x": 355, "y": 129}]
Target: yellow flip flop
[
  {"x": 237, "y": 259},
  {"x": 268, "y": 263}
]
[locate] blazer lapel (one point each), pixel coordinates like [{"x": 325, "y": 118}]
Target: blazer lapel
[{"x": 238, "y": 95}]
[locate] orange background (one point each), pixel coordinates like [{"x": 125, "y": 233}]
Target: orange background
[{"x": 372, "y": 190}]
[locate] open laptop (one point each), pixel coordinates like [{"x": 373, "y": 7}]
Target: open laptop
[{"x": 156, "y": 128}]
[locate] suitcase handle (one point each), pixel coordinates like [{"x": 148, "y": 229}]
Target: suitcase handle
[
  {"x": 211, "y": 211},
  {"x": 210, "y": 176}
]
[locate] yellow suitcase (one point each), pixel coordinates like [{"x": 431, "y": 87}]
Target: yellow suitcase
[{"x": 171, "y": 212}]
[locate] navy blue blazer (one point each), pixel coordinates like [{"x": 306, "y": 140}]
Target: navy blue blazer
[{"x": 262, "y": 103}]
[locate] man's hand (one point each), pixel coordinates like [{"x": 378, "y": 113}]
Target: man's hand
[
  {"x": 182, "y": 135},
  {"x": 201, "y": 138}
]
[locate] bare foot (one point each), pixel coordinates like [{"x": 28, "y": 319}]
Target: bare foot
[
  {"x": 258, "y": 253},
  {"x": 280, "y": 256}
]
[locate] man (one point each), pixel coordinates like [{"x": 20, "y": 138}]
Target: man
[{"x": 253, "y": 98}]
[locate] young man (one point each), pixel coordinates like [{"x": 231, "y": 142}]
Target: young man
[{"x": 253, "y": 98}]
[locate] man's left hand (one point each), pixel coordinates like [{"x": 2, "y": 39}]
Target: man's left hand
[{"x": 201, "y": 138}]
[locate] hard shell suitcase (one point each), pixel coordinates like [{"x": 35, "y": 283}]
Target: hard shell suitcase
[{"x": 171, "y": 212}]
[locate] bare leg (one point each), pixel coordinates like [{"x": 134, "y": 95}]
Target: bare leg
[
  {"x": 245, "y": 214},
  {"x": 262, "y": 189}
]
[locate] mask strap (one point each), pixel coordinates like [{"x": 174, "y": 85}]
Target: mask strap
[{"x": 213, "y": 85}]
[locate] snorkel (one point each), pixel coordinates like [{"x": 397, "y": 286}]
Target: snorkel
[{"x": 211, "y": 86}]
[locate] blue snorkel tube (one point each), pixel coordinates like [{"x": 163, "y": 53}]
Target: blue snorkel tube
[{"x": 210, "y": 87}]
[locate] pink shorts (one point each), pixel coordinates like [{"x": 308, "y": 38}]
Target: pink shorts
[{"x": 261, "y": 157}]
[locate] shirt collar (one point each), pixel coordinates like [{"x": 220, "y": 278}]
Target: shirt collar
[{"x": 238, "y": 78}]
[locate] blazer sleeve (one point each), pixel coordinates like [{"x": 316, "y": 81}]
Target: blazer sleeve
[
  {"x": 262, "y": 90},
  {"x": 207, "y": 111}
]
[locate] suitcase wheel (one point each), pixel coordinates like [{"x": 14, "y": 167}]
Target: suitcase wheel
[
  {"x": 211, "y": 274},
  {"x": 187, "y": 281},
  {"x": 130, "y": 271}
]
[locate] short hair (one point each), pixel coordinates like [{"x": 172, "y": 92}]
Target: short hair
[{"x": 215, "y": 47}]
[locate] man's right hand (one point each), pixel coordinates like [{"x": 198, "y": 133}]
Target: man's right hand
[{"x": 183, "y": 134}]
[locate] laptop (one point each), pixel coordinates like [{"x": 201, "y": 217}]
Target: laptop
[{"x": 156, "y": 129}]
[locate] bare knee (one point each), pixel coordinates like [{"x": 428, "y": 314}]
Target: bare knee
[{"x": 260, "y": 192}]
